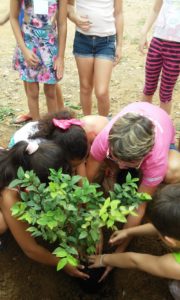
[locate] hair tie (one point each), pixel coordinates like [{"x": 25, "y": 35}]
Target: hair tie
[
  {"x": 65, "y": 124},
  {"x": 32, "y": 147}
]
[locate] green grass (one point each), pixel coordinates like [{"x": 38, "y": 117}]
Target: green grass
[{"x": 6, "y": 112}]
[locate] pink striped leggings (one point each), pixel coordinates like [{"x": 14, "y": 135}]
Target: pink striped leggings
[{"x": 163, "y": 57}]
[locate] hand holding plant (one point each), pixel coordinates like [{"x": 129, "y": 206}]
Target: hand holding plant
[{"x": 118, "y": 237}]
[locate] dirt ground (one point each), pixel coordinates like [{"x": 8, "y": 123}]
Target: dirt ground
[{"x": 23, "y": 279}]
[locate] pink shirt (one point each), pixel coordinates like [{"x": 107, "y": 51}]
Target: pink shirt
[{"x": 154, "y": 165}]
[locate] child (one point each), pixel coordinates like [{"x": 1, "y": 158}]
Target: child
[
  {"x": 75, "y": 138},
  {"x": 71, "y": 138},
  {"x": 140, "y": 137},
  {"x": 39, "y": 57},
  {"x": 97, "y": 47},
  {"x": 164, "y": 51},
  {"x": 37, "y": 157},
  {"x": 164, "y": 215}
]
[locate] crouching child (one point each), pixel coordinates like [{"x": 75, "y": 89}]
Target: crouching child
[{"x": 164, "y": 215}]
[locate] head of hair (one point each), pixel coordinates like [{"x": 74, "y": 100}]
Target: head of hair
[
  {"x": 48, "y": 155},
  {"x": 164, "y": 211},
  {"x": 45, "y": 125},
  {"x": 131, "y": 137},
  {"x": 73, "y": 141}
]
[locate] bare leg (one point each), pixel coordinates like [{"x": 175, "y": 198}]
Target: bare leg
[
  {"x": 166, "y": 106},
  {"x": 147, "y": 98},
  {"x": 3, "y": 225},
  {"x": 173, "y": 171},
  {"x": 50, "y": 93},
  {"x": 25, "y": 89},
  {"x": 102, "y": 76},
  {"x": 33, "y": 99},
  {"x": 59, "y": 97},
  {"x": 85, "y": 69}
]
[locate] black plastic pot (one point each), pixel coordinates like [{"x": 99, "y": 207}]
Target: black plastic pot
[{"x": 91, "y": 285}]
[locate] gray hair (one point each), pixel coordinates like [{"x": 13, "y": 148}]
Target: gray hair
[{"x": 131, "y": 137}]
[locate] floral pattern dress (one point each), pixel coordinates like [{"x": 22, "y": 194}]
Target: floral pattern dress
[{"x": 40, "y": 35}]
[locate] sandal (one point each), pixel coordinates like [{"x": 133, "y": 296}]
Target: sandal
[{"x": 22, "y": 119}]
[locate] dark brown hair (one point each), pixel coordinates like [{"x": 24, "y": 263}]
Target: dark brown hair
[{"x": 164, "y": 211}]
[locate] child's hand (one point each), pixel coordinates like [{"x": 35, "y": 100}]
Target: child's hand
[
  {"x": 95, "y": 261},
  {"x": 143, "y": 44},
  {"x": 59, "y": 67},
  {"x": 118, "y": 237},
  {"x": 82, "y": 22},
  {"x": 118, "y": 55},
  {"x": 75, "y": 272},
  {"x": 31, "y": 58}
]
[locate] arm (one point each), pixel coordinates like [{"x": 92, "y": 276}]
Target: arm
[
  {"x": 30, "y": 57},
  {"x": 118, "y": 14},
  {"x": 162, "y": 266},
  {"x": 25, "y": 240},
  {"x": 92, "y": 167},
  {"x": 5, "y": 19},
  {"x": 146, "y": 229},
  {"x": 62, "y": 33},
  {"x": 148, "y": 24},
  {"x": 79, "y": 21}
]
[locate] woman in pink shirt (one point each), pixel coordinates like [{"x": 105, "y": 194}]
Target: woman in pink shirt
[{"x": 139, "y": 136}]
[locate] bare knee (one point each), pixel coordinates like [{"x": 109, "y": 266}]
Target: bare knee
[
  {"x": 173, "y": 171},
  {"x": 50, "y": 91},
  {"x": 33, "y": 91},
  {"x": 3, "y": 225},
  {"x": 86, "y": 88},
  {"x": 102, "y": 94}
]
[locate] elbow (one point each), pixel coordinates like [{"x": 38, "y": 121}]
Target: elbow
[
  {"x": 30, "y": 252},
  {"x": 134, "y": 260}
]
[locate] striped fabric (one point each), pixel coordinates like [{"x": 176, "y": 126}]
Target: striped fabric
[{"x": 163, "y": 58}]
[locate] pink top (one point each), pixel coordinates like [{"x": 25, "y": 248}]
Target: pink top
[{"x": 154, "y": 165}]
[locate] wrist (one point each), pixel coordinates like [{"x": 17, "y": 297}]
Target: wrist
[
  {"x": 102, "y": 261},
  {"x": 144, "y": 33}
]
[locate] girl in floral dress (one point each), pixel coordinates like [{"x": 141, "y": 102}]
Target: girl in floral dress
[{"x": 41, "y": 44}]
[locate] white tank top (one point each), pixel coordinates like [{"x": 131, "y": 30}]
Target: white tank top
[
  {"x": 100, "y": 13},
  {"x": 24, "y": 133},
  {"x": 167, "y": 26}
]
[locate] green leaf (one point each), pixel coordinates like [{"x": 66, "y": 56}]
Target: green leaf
[
  {"x": 83, "y": 235},
  {"x": 14, "y": 183},
  {"x": 60, "y": 252},
  {"x": 61, "y": 264},
  {"x": 20, "y": 173},
  {"x": 72, "y": 261}
]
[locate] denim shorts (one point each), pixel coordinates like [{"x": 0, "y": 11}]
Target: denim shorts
[{"x": 94, "y": 46}]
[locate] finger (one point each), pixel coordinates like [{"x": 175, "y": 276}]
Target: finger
[
  {"x": 115, "y": 240},
  {"x": 82, "y": 275},
  {"x": 80, "y": 267},
  {"x": 91, "y": 259},
  {"x": 35, "y": 58},
  {"x": 92, "y": 266},
  {"x": 103, "y": 276},
  {"x": 34, "y": 61}
]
